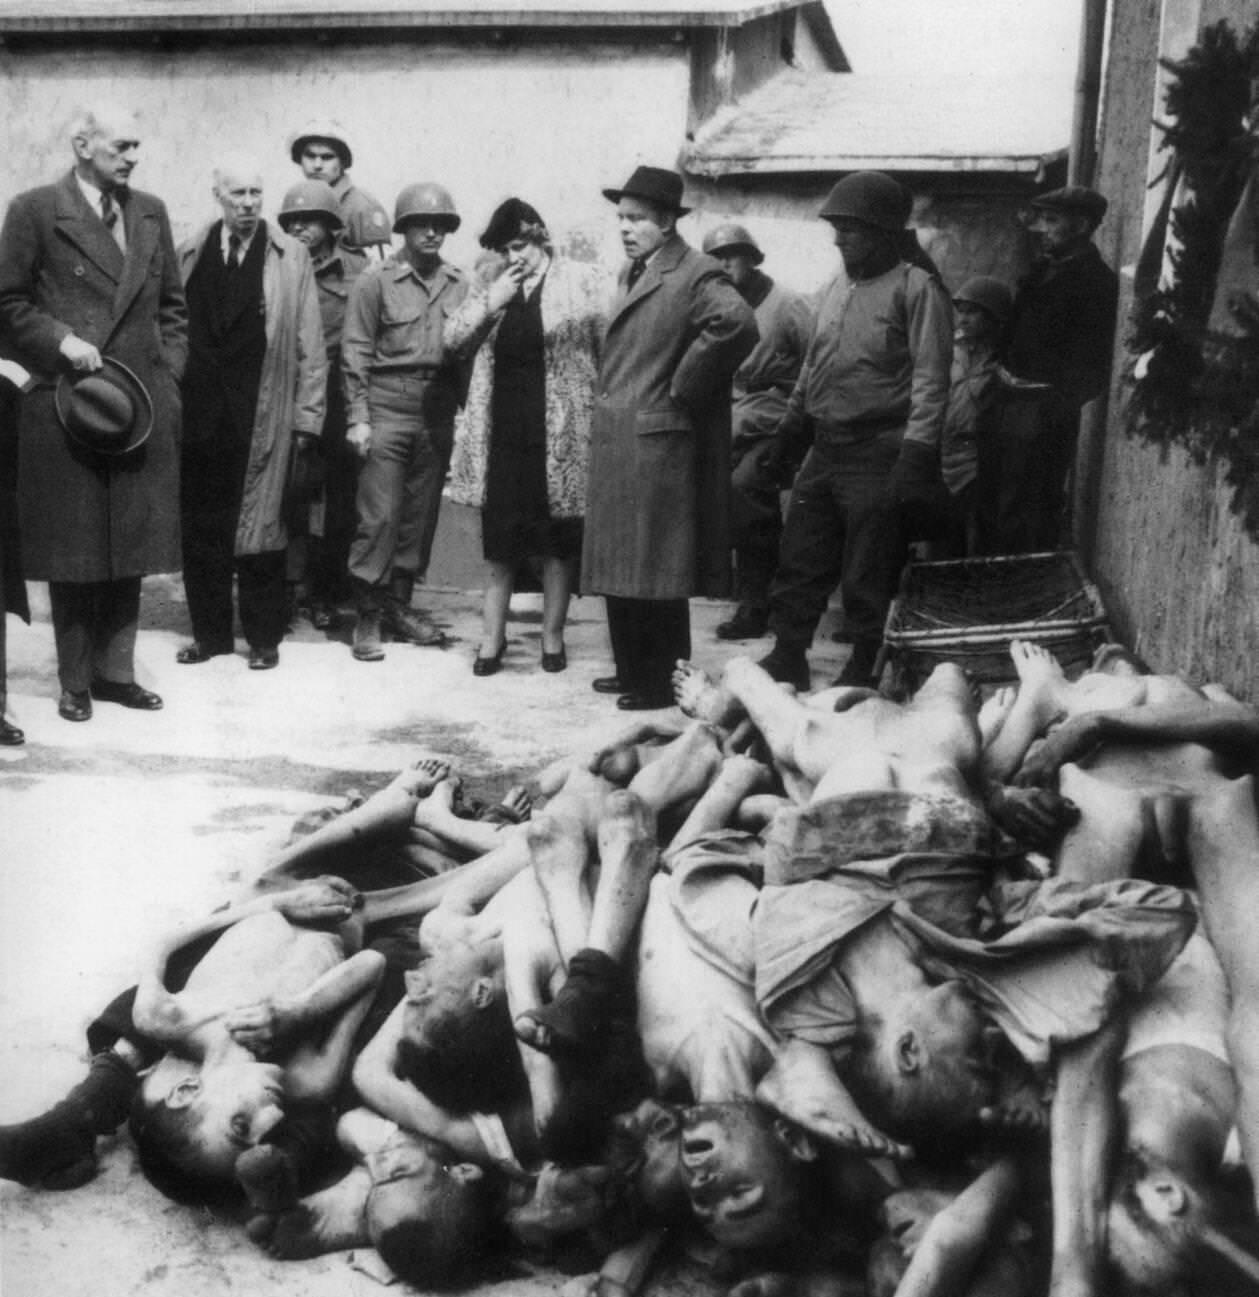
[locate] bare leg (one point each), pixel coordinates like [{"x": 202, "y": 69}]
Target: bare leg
[
  {"x": 1041, "y": 700},
  {"x": 1083, "y": 1127},
  {"x": 596, "y": 987},
  {"x": 1104, "y": 845},
  {"x": 436, "y": 813},
  {"x": 802, "y": 1085},
  {"x": 996, "y": 707},
  {"x": 385, "y": 814},
  {"x": 682, "y": 771},
  {"x": 494, "y": 610},
  {"x": 739, "y": 776},
  {"x": 557, "y": 589},
  {"x": 559, "y": 852},
  {"x": 1224, "y": 848}
]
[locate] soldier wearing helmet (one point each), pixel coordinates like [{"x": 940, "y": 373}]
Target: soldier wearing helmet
[
  {"x": 1061, "y": 335},
  {"x": 761, "y": 387},
  {"x": 320, "y": 530},
  {"x": 321, "y": 150},
  {"x": 969, "y": 448},
  {"x": 872, "y": 395},
  {"x": 402, "y": 392}
]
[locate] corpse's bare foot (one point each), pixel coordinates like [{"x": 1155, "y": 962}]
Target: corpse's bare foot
[
  {"x": 1039, "y": 673},
  {"x": 699, "y": 696},
  {"x": 422, "y": 778},
  {"x": 994, "y": 710},
  {"x": 328, "y": 1221},
  {"x": 1021, "y": 1111},
  {"x": 438, "y": 805},
  {"x": 802, "y": 1085}
]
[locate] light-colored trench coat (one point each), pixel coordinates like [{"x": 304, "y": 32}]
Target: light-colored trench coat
[{"x": 291, "y": 391}]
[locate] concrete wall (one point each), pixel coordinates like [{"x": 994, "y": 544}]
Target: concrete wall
[
  {"x": 551, "y": 121},
  {"x": 1174, "y": 565}
]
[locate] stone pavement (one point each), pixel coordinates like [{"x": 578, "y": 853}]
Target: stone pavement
[{"x": 112, "y": 830}]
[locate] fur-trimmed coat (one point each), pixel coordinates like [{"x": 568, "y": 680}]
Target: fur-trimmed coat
[{"x": 574, "y": 302}]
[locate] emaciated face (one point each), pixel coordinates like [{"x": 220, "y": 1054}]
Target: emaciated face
[
  {"x": 109, "y": 156},
  {"x": 651, "y": 1137},
  {"x": 320, "y": 161},
  {"x": 742, "y": 1180},
  {"x": 236, "y": 1106},
  {"x": 240, "y": 196},
  {"x": 409, "y": 1182},
  {"x": 643, "y": 228}
]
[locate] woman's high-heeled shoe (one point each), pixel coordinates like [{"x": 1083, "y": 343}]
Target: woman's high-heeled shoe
[
  {"x": 555, "y": 661},
  {"x": 482, "y": 666}
]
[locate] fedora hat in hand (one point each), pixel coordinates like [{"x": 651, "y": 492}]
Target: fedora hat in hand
[
  {"x": 109, "y": 412},
  {"x": 654, "y": 184}
]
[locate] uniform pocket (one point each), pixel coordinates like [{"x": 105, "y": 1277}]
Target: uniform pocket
[{"x": 670, "y": 418}]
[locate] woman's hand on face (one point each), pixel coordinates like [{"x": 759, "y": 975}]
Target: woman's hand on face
[{"x": 507, "y": 285}]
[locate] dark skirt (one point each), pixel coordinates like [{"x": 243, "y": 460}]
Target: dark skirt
[{"x": 515, "y": 519}]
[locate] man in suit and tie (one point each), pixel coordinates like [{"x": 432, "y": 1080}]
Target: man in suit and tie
[
  {"x": 658, "y": 503},
  {"x": 254, "y": 395},
  {"x": 89, "y": 288}
]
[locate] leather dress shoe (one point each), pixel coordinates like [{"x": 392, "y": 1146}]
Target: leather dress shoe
[
  {"x": 745, "y": 624},
  {"x": 10, "y": 735},
  {"x": 608, "y": 685},
  {"x": 263, "y": 659},
  {"x": 75, "y": 706},
  {"x": 555, "y": 661},
  {"x": 645, "y": 700},
  {"x": 787, "y": 666},
  {"x": 196, "y": 652},
  {"x": 126, "y": 695}
]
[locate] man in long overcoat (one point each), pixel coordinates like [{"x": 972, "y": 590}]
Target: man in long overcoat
[
  {"x": 254, "y": 392},
  {"x": 658, "y": 504},
  {"x": 87, "y": 270}
]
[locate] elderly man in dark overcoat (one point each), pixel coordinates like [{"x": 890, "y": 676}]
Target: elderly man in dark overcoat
[
  {"x": 658, "y": 503},
  {"x": 88, "y": 276}
]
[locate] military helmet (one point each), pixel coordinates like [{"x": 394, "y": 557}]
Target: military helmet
[
  {"x": 325, "y": 129},
  {"x": 990, "y": 294},
  {"x": 732, "y": 238},
  {"x": 425, "y": 199},
  {"x": 312, "y": 198},
  {"x": 869, "y": 196}
]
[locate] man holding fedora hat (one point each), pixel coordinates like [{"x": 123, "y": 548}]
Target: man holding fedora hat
[
  {"x": 658, "y": 506},
  {"x": 91, "y": 303}
]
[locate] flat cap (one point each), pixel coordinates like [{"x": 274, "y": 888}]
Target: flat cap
[{"x": 1074, "y": 198}]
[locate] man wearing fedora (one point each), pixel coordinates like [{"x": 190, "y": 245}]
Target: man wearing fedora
[
  {"x": 91, "y": 304},
  {"x": 658, "y": 504},
  {"x": 1061, "y": 335}
]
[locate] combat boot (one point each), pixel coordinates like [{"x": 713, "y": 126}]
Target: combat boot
[
  {"x": 401, "y": 620},
  {"x": 367, "y": 645}
]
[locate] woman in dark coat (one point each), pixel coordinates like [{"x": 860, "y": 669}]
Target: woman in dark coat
[
  {"x": 12, "y": 587},
  {"x": 535, "y": 322}
]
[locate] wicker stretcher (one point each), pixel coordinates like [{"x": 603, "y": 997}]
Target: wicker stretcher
[{"x": 968, "y": 610}]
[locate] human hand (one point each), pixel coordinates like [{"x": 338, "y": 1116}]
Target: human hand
[
  {"x": 321, "y": 902},
  {"x": 358, "y": 437},
  {"x": 265, "y": 1027},
  {"x": 915, "y": 475},
  {"x": 1035, "y": 817},
  {"x": 1075, "y": 737},
  {"x": 83, "y": 357},
  {"x": 506, "y": 286}
]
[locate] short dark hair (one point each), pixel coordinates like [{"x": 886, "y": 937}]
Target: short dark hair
[
  {"x": 164, "y": 1140},
  {"x": 446, "y": 1248},
  {"x": 515, "y": 219},
  {"x": 473, "y": 1067}
]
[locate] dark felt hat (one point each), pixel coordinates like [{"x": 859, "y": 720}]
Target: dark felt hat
[
  {"x": 1074, "y": 198},
  {"x": 655, "y": 185},
  {"x": 509, "y": 217},
  {"x": 109, "y": 412}
]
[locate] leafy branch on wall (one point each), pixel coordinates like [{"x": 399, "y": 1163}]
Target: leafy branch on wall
[{"x": 1195, "y": 337}]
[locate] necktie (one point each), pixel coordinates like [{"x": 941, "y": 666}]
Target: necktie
[
  {"x": 109, "y": 214},
  {"x": 637, "y": 266},
  {"x": 233, "y": 252}
]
